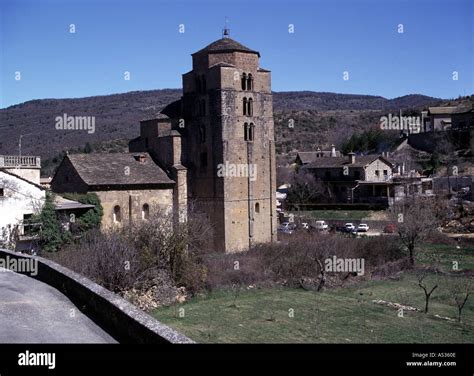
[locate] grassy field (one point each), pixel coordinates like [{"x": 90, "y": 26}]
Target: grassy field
[
  {"x": 343, "y": 315},
  {"x": 446, "y": 255}
]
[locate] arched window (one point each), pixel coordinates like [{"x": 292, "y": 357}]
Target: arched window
[
  {"x": 257, "y": 208},
  {"x": 246, "y": 132},
  {"x": 250, "y": 82},
  {"x": 251, "y": 131},
  {"x": 245, "y": 106},
  {"x": 145, "y": 211},
  {"x": 250, "y": 107},
  {"x": 117, "y": 214},
  {"x": 244, "y": 81}
]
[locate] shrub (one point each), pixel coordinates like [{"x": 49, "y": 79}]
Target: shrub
[
  {"x": 134, "y": 255},
  {"x": 93, "y": 217}
]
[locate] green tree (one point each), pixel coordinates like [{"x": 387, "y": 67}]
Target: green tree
[
  {"x": 51, "y": 236},
  {"x": 93, "y": 217}
]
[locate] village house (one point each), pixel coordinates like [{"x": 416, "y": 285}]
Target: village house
[
  {"x": 448, "y": 117},
  {"x": 22, "y": 196},
  {"x": 366, "y": 179}
]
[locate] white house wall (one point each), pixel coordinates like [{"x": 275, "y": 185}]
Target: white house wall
[{"x": 19, "y": 198}]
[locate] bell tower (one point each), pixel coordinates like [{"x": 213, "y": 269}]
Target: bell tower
[{"x": 229, "y": 145}]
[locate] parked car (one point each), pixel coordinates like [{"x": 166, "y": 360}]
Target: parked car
[
  {"x": 363, "y": 227},
  {"x": 349, "y": 227},
  {"x": 320, "y": 225},
  {"x": 290, "y": 225},
  {"x": 286, "y": 228}
]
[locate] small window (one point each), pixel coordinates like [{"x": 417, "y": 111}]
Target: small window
[
  {"x": 250, "y": 107},
  {"x": 244, "y": 81},
  {"x": 377, "y": 173},
  {"x": 117, "y": 214},
  {"x": 145, "y": 211},
  {"x": 251, "y": 131},
  {"x": 2, "y": 192},
  {"x": 257, "y": 208},
  {"x": 385, "y": 173},
  {"x": 249, "y": 82},
  {"x": 245, "y": 106}
]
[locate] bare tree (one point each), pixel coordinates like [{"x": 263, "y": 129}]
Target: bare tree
[
  {"x": 421, "y": 277},
  {"x": 460, "y": 290},
  {"x": 416, "y": 217},
  {"x": 284, "y": 174},
  {"x": 306, "y": 189}
]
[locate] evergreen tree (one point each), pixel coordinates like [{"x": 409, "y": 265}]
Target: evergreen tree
[{"x": 51, "y": 235}]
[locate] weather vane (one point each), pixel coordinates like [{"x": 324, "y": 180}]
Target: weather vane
[{"x": 226, "y": 31}]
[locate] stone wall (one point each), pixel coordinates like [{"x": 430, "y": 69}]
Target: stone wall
[
  {"x": 242, "y": 209},
  {"x": 131, "y": 203},
  {"x": 119, "y": 318},
  {"x": 380, "y": 166}
]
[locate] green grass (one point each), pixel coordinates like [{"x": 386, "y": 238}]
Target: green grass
[
  {"x": 446, "y": 254},
  {"x": 335, "y": 214},
  {"x": 345, "y": 315}
]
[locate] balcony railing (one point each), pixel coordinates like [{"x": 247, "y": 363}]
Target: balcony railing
[{"x": 19, "y": 161}]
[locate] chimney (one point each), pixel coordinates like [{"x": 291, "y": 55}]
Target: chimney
[
  {"x": 333, "y": 150},
  {"x": 352, "y": 157}
]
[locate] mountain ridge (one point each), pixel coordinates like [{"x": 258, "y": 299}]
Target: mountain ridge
[{"x": 117, "y": 116}]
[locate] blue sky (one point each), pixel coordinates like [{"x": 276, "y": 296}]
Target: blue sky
[{"x": 142, "y": 37}]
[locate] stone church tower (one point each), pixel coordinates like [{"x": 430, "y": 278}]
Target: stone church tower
[
  {"x": 217, "y": 144},
  {"x": 228, "y": 143}
]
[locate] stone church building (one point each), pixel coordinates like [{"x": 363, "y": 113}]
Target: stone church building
[{"x": 212, "y": 149}]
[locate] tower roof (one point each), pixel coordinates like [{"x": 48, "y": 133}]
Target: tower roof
[{"x": 226, "y": 45}]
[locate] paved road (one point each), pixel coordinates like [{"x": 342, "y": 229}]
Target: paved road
[{"x": 34, "y": 312}]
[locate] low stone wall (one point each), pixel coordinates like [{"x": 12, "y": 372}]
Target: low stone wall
[{"x": 122, "y": 320}]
